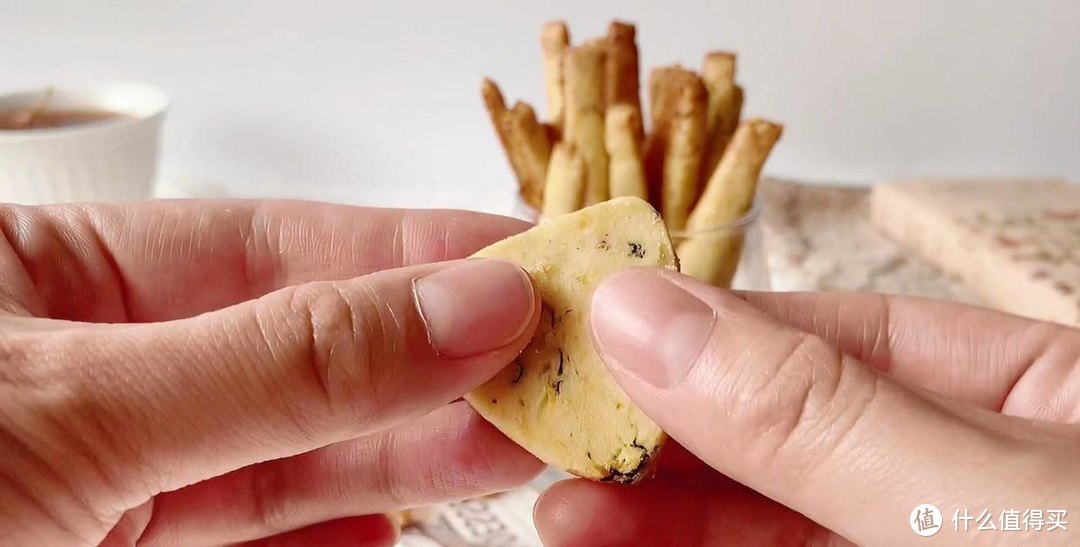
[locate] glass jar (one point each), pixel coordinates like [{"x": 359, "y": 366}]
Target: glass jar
[{"x": 743, "y": 236}]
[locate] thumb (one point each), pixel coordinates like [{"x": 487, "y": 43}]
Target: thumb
[
  {"x": 789, "y": 415},
  {"x": 298, "y": 369}
]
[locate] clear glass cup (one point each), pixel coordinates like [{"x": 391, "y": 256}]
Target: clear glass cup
[
  {"x": 743, "y": 235},
  {"x": 752, "y": 271}
]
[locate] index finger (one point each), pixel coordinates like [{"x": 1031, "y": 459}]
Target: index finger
[
  {"x": 165, "y": 260},
  {"x": 973, "y": 355}
]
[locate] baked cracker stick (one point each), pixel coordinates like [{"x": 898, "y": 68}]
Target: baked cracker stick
[
  {"x": 718, "y": 73},
  {"x": 682, "y": 159},
  {"x": 729, "y": 194},
  {"x": 584, "y": 122},
  {"x": 565, "y": 186},
  {"x": 664, "y": 83},
  {"x": 496, "y": 107},
  {"x": 657, "y": 78},
  {"x": 528, "y": 143},
  {"x": 626, "y": 171},
  {"x": 623, "y": 86},
  {"x": 725, "y": 106},
  {"x": 554, "y": 41}
]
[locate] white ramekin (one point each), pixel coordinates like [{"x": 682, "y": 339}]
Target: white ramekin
[{"x": 111, "y": 161}]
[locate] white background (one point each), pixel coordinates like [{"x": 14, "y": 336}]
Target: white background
[{"x": 377, "y": 102}]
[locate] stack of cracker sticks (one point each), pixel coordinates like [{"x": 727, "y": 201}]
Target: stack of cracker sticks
[{"x": 698, "y": 164}]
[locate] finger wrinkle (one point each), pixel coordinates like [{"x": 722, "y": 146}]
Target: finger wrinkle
[
  {"x": 93, "y": 232},
  {"x": 415, "y": 230},
  {"x": 349, "y": 326},
  {"x": 815, "y": 371},
  {"x": 262, "y": 265},
  {"x": 55, "y": 246},
  {"x": 880, "y": 352},
  {"x": 395, "y": 346},
  {"x": 269, "y": 341},
  {"x": 349, "y": 346},
  {"x": 192, "y": 240},
  {"x": 15, "y": 226},
  {"x": 387, "y": 471},
  {"x": 1048, "y": 386},
  {"x": 1068, "y": 397},
  {"x": 851, "y": 402},
  {"x": 447, "y": 235},
  {"x": 25, "y": 477},
  {"x": 1013, "y": 358},
  {"x": 398, "y": 239},
  {"x": 320, "y": 355},
  {"x": 470, "y": 460},
  {"x": 467, "y": 456},
  {"x": 300, "y": 320},
  {"x": 18, "y": 295},
  {"x": 93, "y": 450},
  {"x": 270, "y": 488},
  {"x": 371, "y": 332},
  {"x": 167, "y": 234}
]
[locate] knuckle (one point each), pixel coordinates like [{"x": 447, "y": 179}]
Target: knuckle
[
  {"x": 275, "y": 509},
  {"x": 804, "y": 401},
  {"x": 348, "y": 335},
  {"x": 399, "y": 487},
  {"x": 46, "y": 426},
  {"x": 1037, "y": 391},
  {"x": 24, "y": 358},
  {"x": 771, "y": 399},
  {"x": 388, "y": 475},
  {"x": 876, "y": 343}
]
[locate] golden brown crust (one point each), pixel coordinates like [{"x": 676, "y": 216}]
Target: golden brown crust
[
  {"x": 656, "y": 140},
  {"x": 664, "y": 86},
  {"x": 725, "y": 106},
  {"x": 685, "y": 145},
  {"x": 528, "y": 143},
  {"x": 496, "y": 108},
  {"x": 660, "y": 78}
]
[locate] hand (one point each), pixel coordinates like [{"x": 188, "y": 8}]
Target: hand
[
  {"x": 195, "y": 373},
  {"x": 840, "y": 413}
]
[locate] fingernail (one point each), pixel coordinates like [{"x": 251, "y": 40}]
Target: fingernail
[
  {"x": 474, "y": 306},
  {"x": 645, "y": 324}
]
